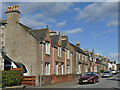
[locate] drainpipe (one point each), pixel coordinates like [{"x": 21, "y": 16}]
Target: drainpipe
[
  {"x": 65, "y": 61},
  {"x": 53, "y": 59},
  {"x": 42, "y": 64}
]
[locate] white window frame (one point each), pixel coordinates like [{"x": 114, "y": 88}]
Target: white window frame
[
  {"x": 47, "y": 48},
  {"x": 68, "y": 69},
  {"x": 86, "y": 68},
  {"x": 56, "y": 68},
  {"x": 62, "y": 69},
  {"x": 79, "y": 68},
  {"x": 82, "y": 57},
  {"x": 47, "y": 68},
  {"x": 79, "y": 56},
  {"x": 85, "y": 58},
  {"x": 71, "y": 61},
  {"x": 68, "y": 54},
  {"x": 58, "y": 52}
]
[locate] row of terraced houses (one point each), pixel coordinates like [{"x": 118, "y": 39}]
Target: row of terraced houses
[{"x": 42, "y": 51}]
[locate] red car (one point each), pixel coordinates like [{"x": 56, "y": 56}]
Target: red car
[{"x": 88, "y": 77}]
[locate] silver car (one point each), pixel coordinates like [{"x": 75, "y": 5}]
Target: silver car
[{"x": 107, "y": 74}]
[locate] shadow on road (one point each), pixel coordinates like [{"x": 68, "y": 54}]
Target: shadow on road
[
  {"x": 116, "y": 88},
  {"x": 115, "y": 79}
]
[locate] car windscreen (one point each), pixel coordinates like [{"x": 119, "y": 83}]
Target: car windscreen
[
  {"x": 87, "y": 74},
  {"x": 107, "y": 72}
]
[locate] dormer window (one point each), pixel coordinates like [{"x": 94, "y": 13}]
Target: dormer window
[
  {"x": 82, "y": 57},
  {"x": 86, "y": 58},
  {"x": 67, "y": 54},
  {"x": 79, "y": 56},
  {"x": 59, "y": 51},
  {"x": 47, "y": 48}
]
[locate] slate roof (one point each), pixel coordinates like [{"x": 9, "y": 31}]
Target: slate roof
[
  {"x": 54, "y": 39},
  {"x": 64, "y": 43},
  {"x": 39, "y": 33},
  {"x": 28, "y": 29},
  {"x": 77, "y": 49},
  {"x": 3, "y": 22}
]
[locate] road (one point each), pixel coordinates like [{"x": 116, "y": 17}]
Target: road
[
  {"x": 104, "y": 83},
  {"x": 112, "y": 83}
]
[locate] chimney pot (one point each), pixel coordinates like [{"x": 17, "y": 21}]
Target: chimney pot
[
  {"x": 65, "y": 33},
  {"x": 78, "y": 44},
  {"x": 8, "y": 8},
  {"x": 16, "y": 7},
  {"x": 47, "y": 26},
  {"x": 11, "y": 8},
  {"x": 62, "y": 34},
  {"x": 58, "y": 33}
]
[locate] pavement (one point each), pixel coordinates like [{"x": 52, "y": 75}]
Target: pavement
[{"x": 111, "y": 83}]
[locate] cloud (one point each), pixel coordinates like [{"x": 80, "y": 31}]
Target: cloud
[
  {"x": 98, "y": 11},
  {"x": 74, "y": 31},
  {"x": 38, "y": 14},
  {"x": 113, "y": 23},
  {"x": 110, "y": 31},
  {"x": 61, "y": 23},
  {"x": 113, "y": 56},
  {"x": 77, "y": 9}
]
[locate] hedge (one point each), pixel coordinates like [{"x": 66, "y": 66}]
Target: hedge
[
  {"x": 11, "y": 78},
  {"x": 102, "y": 70}
]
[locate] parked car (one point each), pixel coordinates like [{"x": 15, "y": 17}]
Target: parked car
[
  {"x": 107, "y": 74},
  {"x": 88, "y": 77},
  {"x": 113, "y": 72},
  {"x": 118, "y": 71}
]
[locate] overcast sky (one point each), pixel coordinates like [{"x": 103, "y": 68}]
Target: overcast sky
[{"x": 94, "y": 24}]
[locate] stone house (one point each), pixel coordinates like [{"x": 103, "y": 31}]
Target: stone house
[
  {"x": 68, "y": 53},
  {"x": 81, "y": 63}
]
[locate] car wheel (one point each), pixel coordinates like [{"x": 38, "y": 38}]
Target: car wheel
[
  {"x": 93, "y": 81},
  {"x": 97, "y": 80}
]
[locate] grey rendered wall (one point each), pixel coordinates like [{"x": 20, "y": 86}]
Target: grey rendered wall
[{"x": 20, "y": 45}]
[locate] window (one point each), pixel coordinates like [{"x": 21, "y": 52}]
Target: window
[
  {"x": 85, "y": 58},
  {"x": 71, "y": 61},
  {"x": 79, "y": 68},
  {"x": 62, "y": 69},
  {"x": 68, "y": 69},
  {"x": 82, "y": 57},
  {"x": 67, "y": 54},
  {"x": 86, "y": 68},
  {"x": 56, "y": 68},
  {"x": 58, "y": 51},
  {"x": 47, "y": 68},
  {"x": 47, "y": 48},
  {"x": 79, "y": 56}
]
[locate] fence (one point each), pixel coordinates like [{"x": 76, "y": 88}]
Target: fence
[{"x": 28, "y": 80}]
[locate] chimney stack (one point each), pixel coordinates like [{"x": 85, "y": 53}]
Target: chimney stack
[
  {"x": 64, "y": 37},
  {"x": 59, "y": 33},
  {"x": 78, "y": 44},
  {"x": 62, "y": 34},
  {"x": 47, "y": 27},
  {"x": 15, "y": 16},
  {"x": 53, "y": 33},
  {"x": 85, "y": 50}
]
